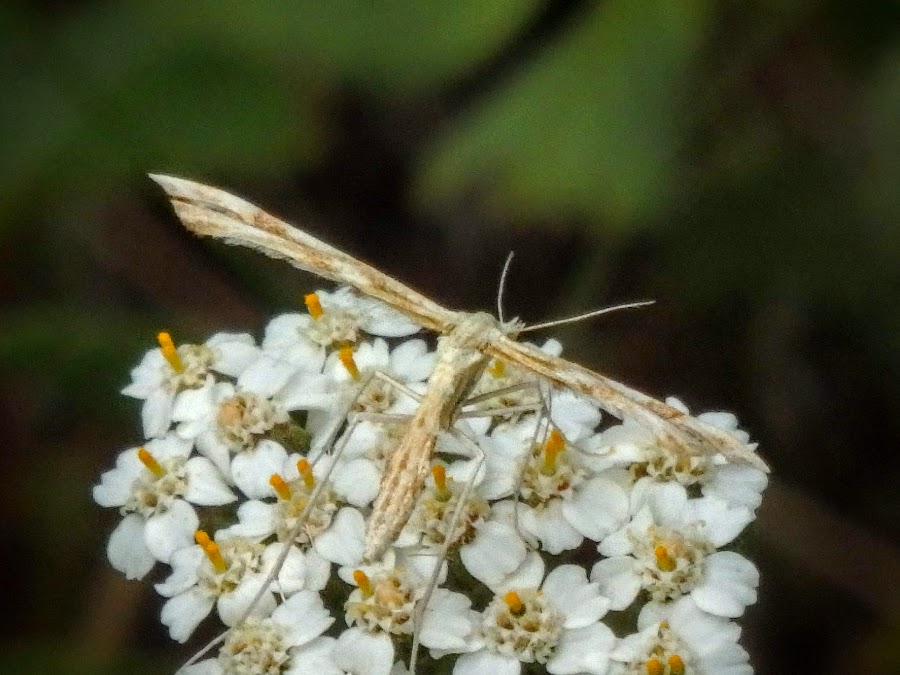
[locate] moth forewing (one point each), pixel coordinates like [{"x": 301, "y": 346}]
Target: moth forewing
[
  {"x": 682, "y": 433},
  {"x": 211, "y": 212}
]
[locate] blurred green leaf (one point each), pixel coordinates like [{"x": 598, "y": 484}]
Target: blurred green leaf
[
  {"x": 209, "y": 87},
  {"x": 590, "y": 128},
  {"x": 878, "y": 183}
]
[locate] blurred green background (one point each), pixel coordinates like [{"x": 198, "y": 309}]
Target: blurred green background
[{"x": 735, "y": 160}]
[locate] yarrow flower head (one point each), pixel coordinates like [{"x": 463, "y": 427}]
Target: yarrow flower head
[{"x": 261, "y": 463}]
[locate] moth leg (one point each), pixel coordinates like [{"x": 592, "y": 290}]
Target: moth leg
[
  {"x": 541, "y": 408},
  {"x": 511, "y": 389},
  {"x": 345, "y": 423},
  {"x": 450, "y": 525},
  {"x": 397, "y": 384},
  {"x": 384, "y": 418}
]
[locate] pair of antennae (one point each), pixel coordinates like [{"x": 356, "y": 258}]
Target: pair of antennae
[{"x": 558, "y": 322}]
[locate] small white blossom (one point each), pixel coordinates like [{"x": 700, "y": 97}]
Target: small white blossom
[
  {"x": 354, "y": 652},
  {"x": 292, "y": 488},
  {"x": 285, "y": 643},
  {"x": 669, "y": 550},
  {"x": 561, "y": 500},
  {"x": 155, "y": 381},
  {"x": 349, "y": 313},
  {"x": 629, "y": 445},
  {"x": 557, "y": 625},
  {"x": 228, "y": 574},
  {"x": 679, "y": 637},
  {"x": 154, "y": 486},
  {"x": 233, "y": 425},
  {"x": 385, "y": 601}
]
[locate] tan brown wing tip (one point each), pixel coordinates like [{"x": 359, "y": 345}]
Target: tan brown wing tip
[
  {"x": 179, "y": 188},
  {"x": 210, "y": 211}
]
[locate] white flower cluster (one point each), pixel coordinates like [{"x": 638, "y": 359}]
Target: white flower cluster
[{"x": 240, "y": 489}]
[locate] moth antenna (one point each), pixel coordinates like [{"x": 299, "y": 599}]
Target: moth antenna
[
  {"x": 502, "y": 286},
  {"x": 588, "y": 315}
]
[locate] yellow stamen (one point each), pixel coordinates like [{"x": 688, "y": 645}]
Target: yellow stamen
[
  {"x": 211, "y": 549},
  {"x": 306, "y": 472},
  {"x": 345, "y": 354},
  {"x": 150, "y": 462},
  {"x": 169, "y": 352},
  {"x": 313, "y": 306},
  {"x": 363, "y": 582},
  {"x": 676, "y": 665},
  {"x": 664, "y": 560},
  {"x": 281, "y": 488},
  {"x": 215, "y": 556},
  {"x": 497, "y": 368},
  {"x": 654, "y": 667},
  {"x": 552, "y": 449},
  {"x": 442, "y": 492},
  {"x": 514, "y": 602}
]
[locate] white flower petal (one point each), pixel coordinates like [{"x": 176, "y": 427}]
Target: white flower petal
[
  {"x": 318, "y": 571},
  {"x": 618, "y": 580},
  {"x": 667, "y": 502},
  {"x": 304, "y": 616},
  {"x": 252, "y": 469},
  {"x": 343, "y": 542},
  {"x": 620, "y": 541},
  {"x": 127, "y": 550},
  {"x": 266, "y": 376},
  {"x": 570, "y": 592},
  {"x": 583, "y": 650},
  {"x": 185, "y": 566},
  {"x": 447, "y": 621},
  {"x": 156, "y": 414},
  {"x": 116, "y": 485},
  {"x": 360, "y": 653},
  {"x": 357, "y": 481},
  {"x": 183, "y": 613},
  {"x": 215, "y": 450},
  {"x": 376, "y": 318},
  {"x": 575, "y": 415},
  {"x": 528, "y": 575},
  {"x": 292, "y": 575},
  {"x": 167, "y": 532},
  {"x": 234, "y": 352},
  {"x": 205, "y": 667},
  {"x": 205, "y": 485},
  {"x": 171, "y": 446},
  {"x": 194, "y": 404},
  {"x": 496, "y": 552},
  {"x": 484, "y": 662},
  {"x": 597, "y": 509},
  {"x": 256, "y": 520},
  {"x": 738, "y": 485},
  {"x": 721, "y": 524},
  {"x": 411, "y": 361},
  {"x": 314, "y": 658},
  {"x": 550, "y": 527},
  {"x": 729, "y": 585},
  {"x": 232, "y": 606}
]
